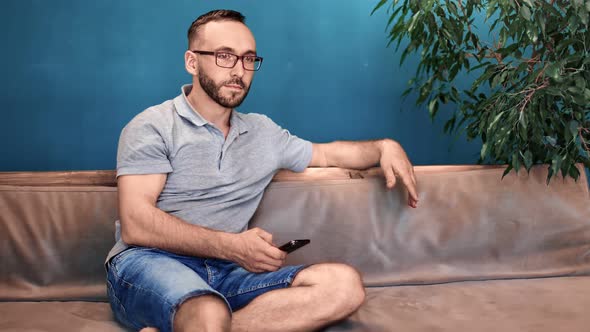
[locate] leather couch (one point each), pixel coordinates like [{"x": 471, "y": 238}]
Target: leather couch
[{"x": 480, "y": 253}]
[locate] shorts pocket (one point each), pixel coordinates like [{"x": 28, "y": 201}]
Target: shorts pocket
[{"x": 113, "y": 262}]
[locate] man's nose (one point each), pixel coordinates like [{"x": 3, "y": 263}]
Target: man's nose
[{"x": 238, "y": 69}]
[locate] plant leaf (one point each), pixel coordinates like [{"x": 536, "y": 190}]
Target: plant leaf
[
  {"x": 381, "y": 3},
  {"x": 525, "y": 12},
  {"x": 506, "y": 171},
  {"x": 530, "y": 3},
  {"x": 573, "y": 127},
  {"x": 528, "y": 160},
  {"x": 553, "y": 70},
  {"x": 433, "y": 107},
  {"x": 484, "y": 150}
]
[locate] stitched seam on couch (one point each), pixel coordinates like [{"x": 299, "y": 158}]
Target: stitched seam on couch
[{"x": 6, "y": 188}]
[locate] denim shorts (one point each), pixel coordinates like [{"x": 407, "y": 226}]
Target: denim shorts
[{"x": 146, "y": 286}]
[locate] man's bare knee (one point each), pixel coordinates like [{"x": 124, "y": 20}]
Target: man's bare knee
[
  {"x": 350, "y": 289},
  {"x": 203, "y": 313},
  {"x": 341, "y": 283}
]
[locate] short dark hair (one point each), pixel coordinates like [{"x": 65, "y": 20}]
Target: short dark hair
[{"x": 213, "y": 16}]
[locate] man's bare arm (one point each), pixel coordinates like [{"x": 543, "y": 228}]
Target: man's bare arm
[
  {"x": 143, "y": 224},
  {"x": 364, "y": 154}
]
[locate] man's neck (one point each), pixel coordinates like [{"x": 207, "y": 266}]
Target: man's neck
[{"x": 210, "y": 110}]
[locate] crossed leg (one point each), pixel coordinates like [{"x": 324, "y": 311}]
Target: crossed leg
[{"x": 319, "y": 295}]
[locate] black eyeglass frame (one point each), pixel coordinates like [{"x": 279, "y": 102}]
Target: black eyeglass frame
[{"x": 237, "y": 57}]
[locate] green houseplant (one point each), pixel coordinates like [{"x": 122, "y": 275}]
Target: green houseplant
[{"x": 528, "y": 65}]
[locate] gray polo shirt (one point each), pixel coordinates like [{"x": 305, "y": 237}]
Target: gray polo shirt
[{"x": 212, "y": 181}]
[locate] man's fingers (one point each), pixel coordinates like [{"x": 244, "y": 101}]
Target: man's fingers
[
  {"x": 276, "y": 253},
  {"x": 411, "y": 187},
  {"x": 264, "y": 267},
  {"x": 408, "y": 178},
  {"x": 389, "y": 176},
  {"x": 414, "y": 179},
  {"x": 266, "y": 236},
  {"x": 254, "y": 269},
  {"x": 415, "y": 186}
]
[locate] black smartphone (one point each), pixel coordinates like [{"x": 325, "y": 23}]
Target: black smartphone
[{"x": 293, "y": 245}]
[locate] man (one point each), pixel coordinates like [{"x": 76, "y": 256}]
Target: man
[{"x": 191, "y": 172}]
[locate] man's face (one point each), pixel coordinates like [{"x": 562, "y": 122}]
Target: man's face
[{"x": 226, "y": 86}]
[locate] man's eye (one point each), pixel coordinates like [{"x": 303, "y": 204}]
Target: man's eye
[
  {"x": 250, "y": 59},
  {"x": 223, "y": 56}
]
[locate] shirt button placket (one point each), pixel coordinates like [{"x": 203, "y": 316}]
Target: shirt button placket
[{"x": 220, "y": 153}]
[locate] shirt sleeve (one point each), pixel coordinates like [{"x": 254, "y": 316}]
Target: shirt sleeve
[
  {"x": 294, "y": 153},
  {"x": 142, "y": 149}
]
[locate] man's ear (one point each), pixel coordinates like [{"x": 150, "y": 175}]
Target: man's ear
[{"x": 190, "y": 63}]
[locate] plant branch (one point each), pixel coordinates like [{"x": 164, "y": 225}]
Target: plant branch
[
  {"x": 517, "y": 3},
  {"x": 530, "y": 92}
]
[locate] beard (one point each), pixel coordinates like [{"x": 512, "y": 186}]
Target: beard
[{"x": 213, "y": 90}]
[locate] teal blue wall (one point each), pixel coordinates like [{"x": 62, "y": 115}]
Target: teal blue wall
[{"x": 75, "y": 72}]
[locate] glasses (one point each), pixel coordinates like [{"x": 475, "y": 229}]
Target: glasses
[{"x": 229, "y": 60}]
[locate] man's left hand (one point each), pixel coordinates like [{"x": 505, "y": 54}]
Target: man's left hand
[{"x": 395, "y": 163}]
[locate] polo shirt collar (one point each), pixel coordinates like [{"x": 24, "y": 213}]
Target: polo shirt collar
[
  {"x": 186, "y": 110},
  {"x": 237, "y": 120}
]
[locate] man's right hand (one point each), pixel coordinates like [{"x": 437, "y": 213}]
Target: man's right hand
[{"x": 255, "y": 251}]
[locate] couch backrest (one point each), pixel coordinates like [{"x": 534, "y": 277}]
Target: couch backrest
[
  {"x": 469, "y": 225},
  {"x": 52, "y": 239}
]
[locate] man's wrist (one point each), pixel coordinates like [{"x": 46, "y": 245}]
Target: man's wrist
[
  {"x": 226, "y": 245},
  {"x": 384, "y": 144}
]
